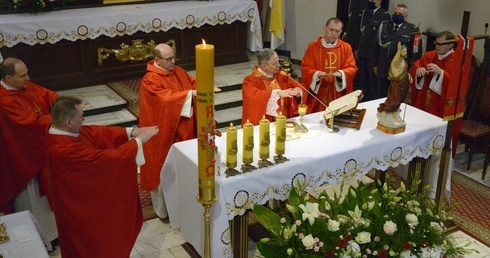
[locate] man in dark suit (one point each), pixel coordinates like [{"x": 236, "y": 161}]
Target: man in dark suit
[
  {"x": 353, "y": 31},
  {"x": 389, "y": 34},
  {"x": 372, "y": 17}
]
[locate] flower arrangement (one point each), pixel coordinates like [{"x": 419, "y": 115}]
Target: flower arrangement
[
  {"x": 367, "y": 222},
  {"x": 35, "y": 6}
]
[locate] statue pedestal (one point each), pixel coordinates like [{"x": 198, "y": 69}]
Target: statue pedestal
[{"x": 389, "y": 130}]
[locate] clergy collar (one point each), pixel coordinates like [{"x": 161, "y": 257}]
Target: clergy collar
[
  {"x": 327, "y": 44},
  {"x": 265, "y": 74},
  {"x": 440, "y": 57},
  {"x": 8, "y": 87},
  {"x": 53, "y": 130}
]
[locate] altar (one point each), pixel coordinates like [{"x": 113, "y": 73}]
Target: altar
[
  {"x": 315, "y": 158},
  {"x": 66, "y": 49}
]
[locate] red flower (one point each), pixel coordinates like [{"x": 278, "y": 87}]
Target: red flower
[
  {"x": 343, "y": 243},
  {"x": 329, "y": 254},
  {"x": 382, "y": 253},
  {"x": 407, "y": 246},
  {"x": 424, "y": 243}
]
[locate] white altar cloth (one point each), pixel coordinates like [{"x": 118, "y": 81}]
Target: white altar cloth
[
  {"x": 318, "y": 157},
  {"x": 118, "y": 20},
  {"x": 25, "y": 237}
]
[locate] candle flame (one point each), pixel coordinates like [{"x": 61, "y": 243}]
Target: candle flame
[
  {"x": 231, "y": 124},
  {"x": 203, "y": 43}
]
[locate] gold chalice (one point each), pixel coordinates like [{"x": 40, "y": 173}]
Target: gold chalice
[{"x": 301, "y": 128}]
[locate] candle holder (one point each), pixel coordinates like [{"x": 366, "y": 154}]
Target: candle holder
[
  {"x": 263, "y": 162},
  {"x": 279, "y": 158},
  {"x": 247, "y": 166},
  {"x": 301, "y": 128},
  {"x": 4, "y": 237},
  {"x": 230, "y": 169}
]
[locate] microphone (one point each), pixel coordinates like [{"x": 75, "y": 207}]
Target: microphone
[{"x": 301, "y": 86}]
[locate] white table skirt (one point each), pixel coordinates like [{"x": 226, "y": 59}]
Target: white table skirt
[
  {"x": 318, "y": 157},
  {"x": 118, "y": 20},
  {"x": 25, "y": 239}
]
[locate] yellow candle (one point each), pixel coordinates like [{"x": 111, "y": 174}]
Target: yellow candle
[
  {"x": 231, "y": 146},
  {"x": 264, "y": 128},
  {"x": 248, "y": 142},
  {"x": 280, "y": 134},
  {"x": 205, "y": 120}
]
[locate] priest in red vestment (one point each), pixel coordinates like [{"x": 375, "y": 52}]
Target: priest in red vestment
[
  {"x": 268, "y": 92},
  {"x": 25, "y": 110},
  {"x": 94, "y": 184},
  {"x": 432, "y": 76},
  {"x": 167, "y": 97},
  {"x": 328, "y": 67}
]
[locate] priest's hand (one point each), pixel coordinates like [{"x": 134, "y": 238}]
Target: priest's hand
[
  {"x": 433, "y": 68},
  {"x": 421, "y": 71},
  {"x": 288, "y": 93},
  {"x": 145, "y": 133},
  {"x": 216, "y": 90}
]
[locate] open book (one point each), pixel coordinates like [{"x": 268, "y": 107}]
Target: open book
[{"x": 343, "y": 104}]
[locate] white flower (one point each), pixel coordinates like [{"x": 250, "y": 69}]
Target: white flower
[
  {"x": 412, "y": 219},
  {"x": 354, "y": 248},
  {"x": 389, "y": 227},
  {"x": 290, "y": 251},
  {"x": 407, "y": 254},
  {"x": 308, "y": 241},
  {"x": 333, "y": 225},
  {"x": 310, "y": 211},
  {"x": 356, "y": 214},
  {"x": 434, "y": 226},
  {"x": 363, "y": 237}
]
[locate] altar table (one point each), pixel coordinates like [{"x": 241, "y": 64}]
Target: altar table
[
  {"x": 25, "y": 237},
  {"x": 318, "y": 157}
]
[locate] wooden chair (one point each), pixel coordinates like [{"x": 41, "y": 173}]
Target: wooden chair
[{"x": 475, "y": 130}]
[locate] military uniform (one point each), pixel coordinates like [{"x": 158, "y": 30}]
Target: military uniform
[
  {"x": 386, "y": 47},
  {"x": 366, "y": 80},
  {"x": 353, "y": 27}
]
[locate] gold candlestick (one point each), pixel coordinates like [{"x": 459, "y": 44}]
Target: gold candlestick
[
  {"x": 4, "y": 237},
  {"x": 301, "y": 128}
]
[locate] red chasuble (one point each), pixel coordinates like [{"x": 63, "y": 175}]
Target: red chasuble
[
  {"x": 24, "y": 119},
  {"x": 425, "y": 98},
  {"x": 329, "y": 60},
  {"x": 95, "y": 192},
  {"x": 162, "y": 96},
  {"x": 257, "y": 90}
]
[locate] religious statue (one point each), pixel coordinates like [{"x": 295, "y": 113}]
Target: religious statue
[{"x": 389, "y": 120}]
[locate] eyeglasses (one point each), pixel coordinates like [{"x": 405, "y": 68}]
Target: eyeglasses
[
  {"x": 168, "y": 60},
  {"x": 441, "y": 44}
]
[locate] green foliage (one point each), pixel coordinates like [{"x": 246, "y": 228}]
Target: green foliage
[
  {"x": 34, "y": 6},
  {"x": 366, "y": 222}
]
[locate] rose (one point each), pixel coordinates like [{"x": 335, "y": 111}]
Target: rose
[
  {"x": 389, "y": 227},
  {"x": 363, "y": 237},
  {"x": 333, "y": 225},
  {"x": 412, "y": 219},
  {"x": 308, "y": 241}
]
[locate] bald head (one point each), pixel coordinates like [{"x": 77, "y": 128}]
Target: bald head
[
  {"x": 8, "y": 66},
  {"x": 14, "y": 73},
  {"x": 164, "y": 57}
]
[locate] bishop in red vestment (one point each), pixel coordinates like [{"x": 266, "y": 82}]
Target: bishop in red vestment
[
  {"x": 269, "y": 92},
  {"x": 328, "y": 67},
  {"x": 24, "y": 118},
  {"x": 166, "y": 99},
  {"x": 93, "y": 172}
]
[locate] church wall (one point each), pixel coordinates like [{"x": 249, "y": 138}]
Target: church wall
[{"x": 305, "y": 19}]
